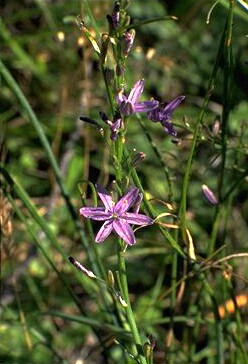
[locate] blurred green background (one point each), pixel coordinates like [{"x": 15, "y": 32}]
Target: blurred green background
[{"x": 58, "y": 72}]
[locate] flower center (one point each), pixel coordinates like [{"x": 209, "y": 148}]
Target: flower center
[{"x": 115, "y": 216}]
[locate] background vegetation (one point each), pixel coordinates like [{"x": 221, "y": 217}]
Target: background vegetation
[{"x": 50, "y": 313}]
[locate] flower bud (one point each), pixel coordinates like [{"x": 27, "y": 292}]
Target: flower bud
[
  {"x": 216, "y": 127},
  {"x": 127, "y": 42},
  {"x": 111, "y": 279},
  {"x": 209, "y": 195},
  {"x": 81, "y": 268},
  {"x": 116, "y": 15},
  {"x": 137, "y": 159},
  {"x": 104, "y": 46},
  {"x": 114, "y": 18}
]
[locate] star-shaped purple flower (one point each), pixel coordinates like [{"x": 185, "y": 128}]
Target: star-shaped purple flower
[
  {"x": 129, "y": 105},
  {"x": 116, "y": 216},
  {"x": 163, "y": 114}
]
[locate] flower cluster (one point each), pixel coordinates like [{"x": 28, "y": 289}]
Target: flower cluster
[{"x": 156, "y": 112}]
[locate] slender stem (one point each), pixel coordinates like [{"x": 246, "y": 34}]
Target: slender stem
[
  {"x": 214, "y": 232},
  {"x": 137, "y": 347},
  {"x": 227, "y": 88},
  {"x": 174, "y": 244},
  {"x": 199, "y": 122},
  {"x": 160, "y": 159}
]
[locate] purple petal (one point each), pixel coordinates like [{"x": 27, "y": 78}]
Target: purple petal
[
  {"x": 95, "y": 213},
  {"x": 114, "y": 128},
  {"x": 169, "y": 128},
  {"x": 136, "y": 219},
  {"x": 171, "y": 106},
  {"x": 105, "y": 197},
  {"x": 126, "y": 108},
  {"x": 136, "y": 91},
  {"x": 104, "y": 232},
  {"x": 123, "y": 229},
  {"x": 157, "y": 115},
  {"x": 145, "y": 106},
  {"x": 137, "y": 203},
  {"x": 126, "y": 201}
]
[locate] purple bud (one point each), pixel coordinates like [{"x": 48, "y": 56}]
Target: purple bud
[
  {"x": 209, "y": 195},
  {"x": 114, "y": 18},
  {"x": 127, "y": 40},
  {"x": 116, "y": 14}
]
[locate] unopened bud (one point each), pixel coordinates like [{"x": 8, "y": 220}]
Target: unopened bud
[
  {"x": 209, "y": 195},
  {"x": 119, "y": 70},
  {"x": 116, "y": 15},
  {"x": 121, "y": 300},
  {"x": 148, "y": 349},
  {"x": 104, "y": 46},
  {"x": 216, "y": 127},
  {"x": 138, "y": 158},
  {"x": 111, "y": 279},
  {"x": 81, "y": 268},
  {"x": 127, "y": 40}
]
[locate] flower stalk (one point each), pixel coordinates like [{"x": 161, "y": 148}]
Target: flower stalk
[{"x": 137, "y": 344}]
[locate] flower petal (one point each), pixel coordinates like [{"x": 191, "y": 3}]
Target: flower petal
[
  {"x": 114, "y": 128},
  {"x": 145, "y": 106},
  {"x": 126, "y": 108},
  {"x": 169, "y": 128},
  {"x": 126, "y": 201},
  {"x": 95, "y": 213},
  {"x": 124, "y": 230},
  {"x": 171, "y": 106},
  {"x": 136, "y": 219},
  {"x": 157, "y": 115},
  {"x": 104, "y": 232},
  {"x": 137, "y": 203},
  {"x": 136, "y": 91},
  {"x": 105, "y": 197}
]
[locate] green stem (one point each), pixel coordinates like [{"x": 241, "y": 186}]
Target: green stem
[
  {"x": 214, "y": 232},
  {"x": 183, "y": 206},
  {"x": 160, "y": 159},
  {"x": 174, "y": 244},
  {"x": 227, "y": 88},
  {"x": 137, "y": 347}
]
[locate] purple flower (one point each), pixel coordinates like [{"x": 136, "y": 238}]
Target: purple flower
[
  {"x": 114, "y": 125},
  {"x": 163, "y": 114},
  {"x": 116, "y": 216},
  {"x": 129, "y": 105}
]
